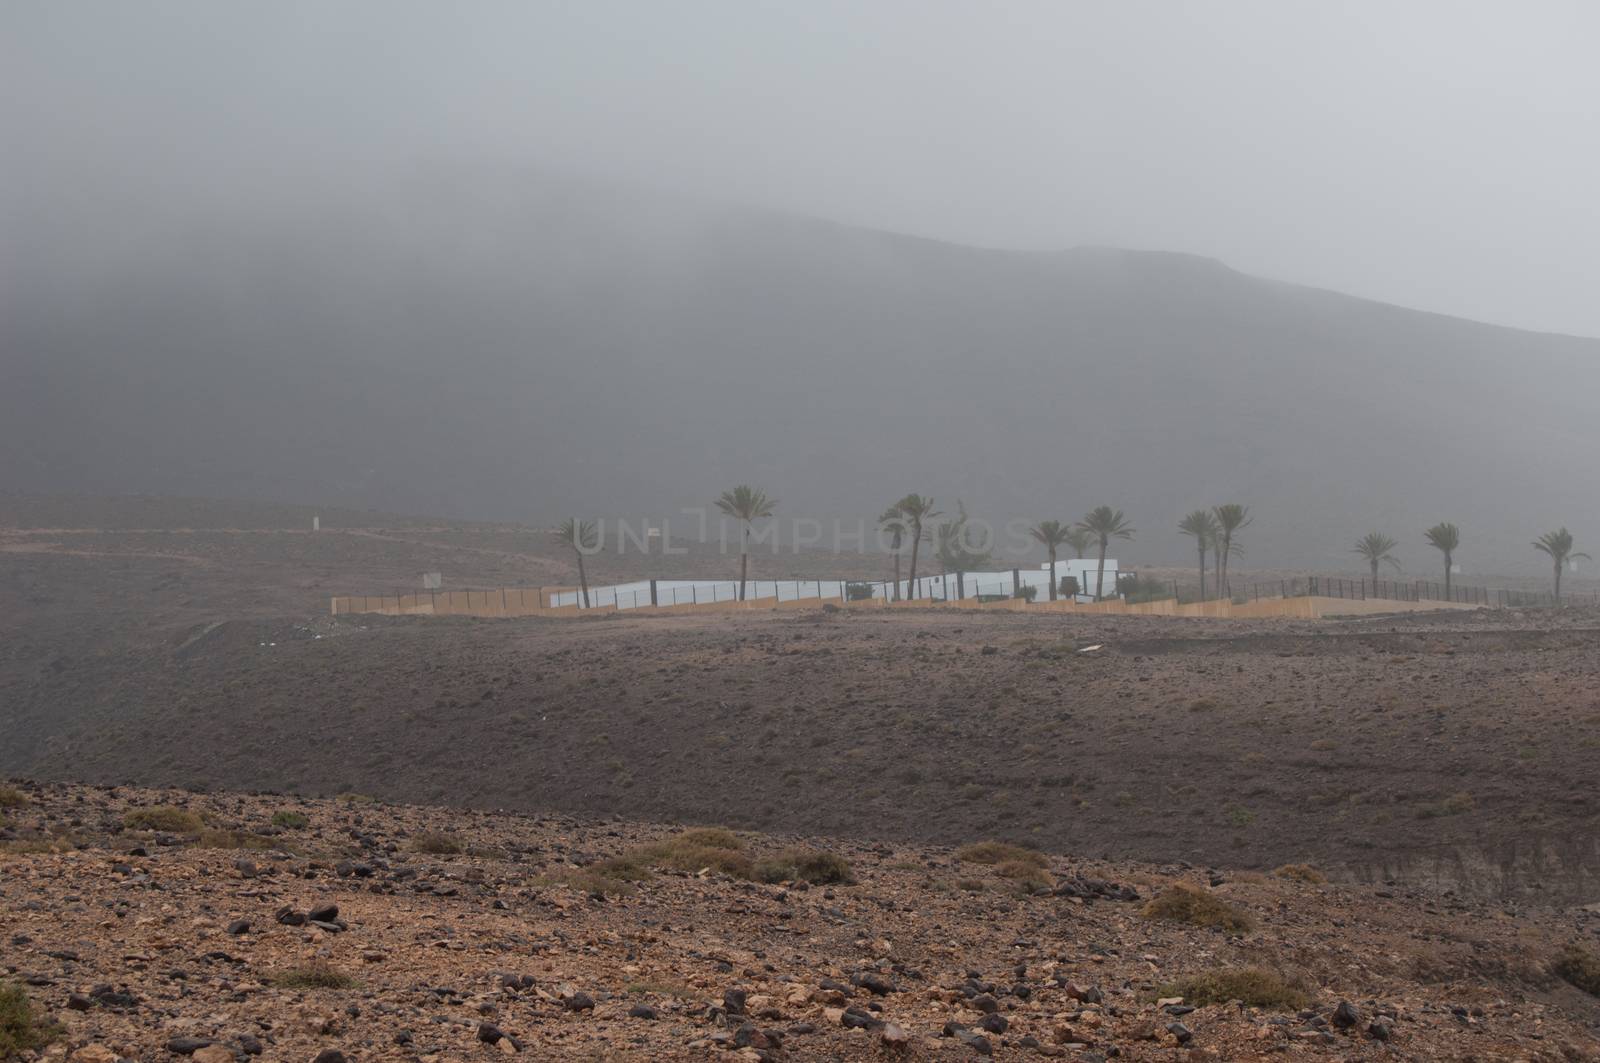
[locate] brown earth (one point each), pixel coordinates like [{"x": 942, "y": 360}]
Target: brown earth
[
  {"x": 1454, "y": 750},
  {"x": 481, "y": 935}
]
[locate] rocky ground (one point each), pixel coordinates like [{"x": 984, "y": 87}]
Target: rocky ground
[{"x": 151, "y": 925}]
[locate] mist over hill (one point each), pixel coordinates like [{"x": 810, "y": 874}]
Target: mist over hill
[{"x": 523, "y": 346}]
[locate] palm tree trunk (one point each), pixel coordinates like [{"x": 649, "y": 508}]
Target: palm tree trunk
[
  {"x": 911, "y": 577},
  {"x": 1558, "y": 581},
  {"x": 897, "y": 573},
  {"x": 1202, "y": 570},
  {"x": 583, "y": 580},
  {"x": 744, "y": 560},
  {"x": 1100, "y": 576},
  {"x": 1052, "y": 573},
  {"x": 1447, "y": 567},
  {"x": 1374, "y": 575}
]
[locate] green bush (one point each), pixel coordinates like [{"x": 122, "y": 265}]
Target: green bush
[
  {"x": 858, "y": 592},
  {"x": 11, "y": 797},
  {"x": 290, "y": 820},
  {"x": 162, "y": 818},
  {"x": 1069, "y": 587},
  {"x": 1027, "y": 592}
]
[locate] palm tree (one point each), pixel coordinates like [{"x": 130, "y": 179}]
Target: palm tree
[
  {"x": 581, "y": 536},
  {"x": 1102, "y": 525},
  {"x": 916, "y": 510},
  {"x": 894, "y": 522},
  {"x": 1050, "y": 533},
  {"x": 1203, "y": 526},
  {"x": 1444, "y": 538},
  {"x": 745, "y": 504},
  {"x": 1558, "y": 544},
  {"x": 1230, "y": 519},
  {"x": 1377, "y": 548},
  {"x": 1079, "y": 540}
]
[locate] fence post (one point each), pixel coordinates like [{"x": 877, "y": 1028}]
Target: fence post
[{"x": 961, "y": 585}]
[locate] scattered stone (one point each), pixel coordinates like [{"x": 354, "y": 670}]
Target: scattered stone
[
  {"x": 95, "y": 1053},
  {"x": 186, "y": 1046}
]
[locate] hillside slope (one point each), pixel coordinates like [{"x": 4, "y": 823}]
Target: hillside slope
[{"x": 521, "y": 346}]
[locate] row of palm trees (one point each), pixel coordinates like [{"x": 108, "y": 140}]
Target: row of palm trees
[
  {"x": 907, "y": 519},
  {"x": 1215, "y": 532},
  {"x": 1377, "y": 549}
]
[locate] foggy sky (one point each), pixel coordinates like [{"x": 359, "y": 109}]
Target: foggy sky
[{"x": 1440, "y": 155}]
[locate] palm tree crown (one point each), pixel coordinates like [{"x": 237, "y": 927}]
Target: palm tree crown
[
  {"x": 894, "y": 522},
  {"x": 1050, "y": 534},
  {"x": 1558, "y": 545},
  {"x": 1202, "y": 524},
  {"x": 917, "y": 510},
  {"x": 1377, "y": 549},
  {"x": 1231, "y": 517},
  {"x": 578, "y": 534},
  {"x": 583, "y": 537},
  {"x": 745, "y": 504},
  {"x": 1445, "y": 538},
  {"x": 1079, "y": 540},
  {"x": 1102, "y": 525}
]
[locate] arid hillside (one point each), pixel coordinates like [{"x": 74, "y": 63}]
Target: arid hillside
[{"x": 153, "y": 925}]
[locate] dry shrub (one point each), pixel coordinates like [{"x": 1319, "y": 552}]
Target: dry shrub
[
  {"x": 1454, "y": 805},
  {"x": 11, "y": 797},
  {"x": 436, "y": 843},
  {"x": 1183, "y": 903},
  {"x": 20, "y": 1029},
  {"x": 711, "y": 838},
  {"x": 162, "y": 818},
  {"x": 1029, "y": 877},
  {"x": 817, "y": 866},
  {"x": 698, "y": 850},
  {"x": 992, "y": 852},
  {"x": 289, "y": 820},
  {"x": 1578, "y": 966},
  {"x": 233, "y": 839},
  {"x": 1255, "y": 986},
  {"x": 1301, "y": 873},
  {"x": 318, "y": 974}
]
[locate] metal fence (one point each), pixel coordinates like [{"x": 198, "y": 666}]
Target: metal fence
[{"x": 1412, "y": 591}]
